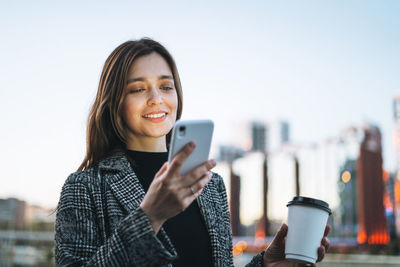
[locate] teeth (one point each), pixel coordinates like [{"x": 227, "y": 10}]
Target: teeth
[{"x": 154, "y": 115}]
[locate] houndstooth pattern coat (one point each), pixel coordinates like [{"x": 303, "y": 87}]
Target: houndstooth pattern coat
[{"x": 99, "y": 221}]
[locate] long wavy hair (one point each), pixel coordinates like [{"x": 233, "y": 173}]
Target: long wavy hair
[{"x": 105, "y": 129}]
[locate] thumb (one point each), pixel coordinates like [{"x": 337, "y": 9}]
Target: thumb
[
  {"x": 276, "y": 250},
  {"x": 281, "y": 234}
]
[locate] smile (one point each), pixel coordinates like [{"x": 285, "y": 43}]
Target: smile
[{"x": 158, "y": 115}]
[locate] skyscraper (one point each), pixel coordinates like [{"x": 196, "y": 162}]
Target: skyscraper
[
  {"x": 269, "y": 136},
  {"x": 371, "y": 215},
  {"x": 259, "y": 136}
]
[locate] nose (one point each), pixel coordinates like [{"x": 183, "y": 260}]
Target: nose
[{"x": 155, "y": 97}]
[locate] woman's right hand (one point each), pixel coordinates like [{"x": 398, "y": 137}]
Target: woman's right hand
[
  {"x": 169, "y": 194},
  {"x": 274, "y": 255}
]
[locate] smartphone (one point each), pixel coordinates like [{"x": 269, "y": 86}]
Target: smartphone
[{"x": 198, "y": 131}]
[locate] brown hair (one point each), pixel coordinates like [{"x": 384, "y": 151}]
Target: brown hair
[{"x": 105, "y": 128}]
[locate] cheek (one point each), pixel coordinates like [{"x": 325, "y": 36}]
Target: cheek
[
  {"x": 130, "y": 110},
  {"x": 173, "y": 103}
]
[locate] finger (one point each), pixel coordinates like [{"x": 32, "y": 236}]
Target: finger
[
  {"x": 198, "y": 193},
  {"x": 281, "y": 234},
  {"x": 162, "y": 169},
  {"x": 194, "y": 196},
  {"x": 321, "y": 253},
  {"x": 180, "y": 158},
  {"x": 325, "y": 242},
  {"x": 276, "y": 250},
  {"x": 327, "y": 229},
  {"x": 200, "y": 184},
  {"x": 194, "y": 175}
]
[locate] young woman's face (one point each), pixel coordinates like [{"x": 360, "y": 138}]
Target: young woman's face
[{"x": 151, "y": 101}]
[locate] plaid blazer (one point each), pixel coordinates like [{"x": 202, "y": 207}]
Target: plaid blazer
[{"x": 99, "y": 221}]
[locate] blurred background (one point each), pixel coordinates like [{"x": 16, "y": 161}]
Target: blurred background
[{"x": 304, "y": 96}]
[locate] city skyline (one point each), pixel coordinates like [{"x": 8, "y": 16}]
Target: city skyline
[
  {"x": 319, "y": 167},
  {"x": 319, "y": 66}
]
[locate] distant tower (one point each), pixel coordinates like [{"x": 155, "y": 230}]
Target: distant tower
[
  {"x": 284, "y": 132},
  {"x": 389, "y": 203},
  {"x": 235, "y": 203},
  {"x": 396, "y": 141},
  {"x": 371, "y": 214},
  {"x": 229, "y": 154},
  {"x": 265, "y": 219},
  {"x": 262, "y": 226},
  {"x": 259, "y": 136},
  {"x": 396, "y": 134},
  {"x": 348, "y": 198}
]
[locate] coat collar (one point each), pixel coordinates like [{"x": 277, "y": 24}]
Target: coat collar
[{"x": 116, "y": 161}]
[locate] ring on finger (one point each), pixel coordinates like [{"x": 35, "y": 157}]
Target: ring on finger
[{"x": 191, "y": 189}]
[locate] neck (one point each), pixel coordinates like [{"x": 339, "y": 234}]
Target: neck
[{"x": 147, "y": 144}]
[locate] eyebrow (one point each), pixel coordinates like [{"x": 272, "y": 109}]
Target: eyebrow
[{"x": 140, "y": 79}]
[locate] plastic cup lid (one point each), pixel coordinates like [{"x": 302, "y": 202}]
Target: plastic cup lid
[{"x": 306, "y": 201}]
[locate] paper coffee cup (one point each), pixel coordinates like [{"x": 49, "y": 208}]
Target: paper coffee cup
[{"x": 307, "y": 218}]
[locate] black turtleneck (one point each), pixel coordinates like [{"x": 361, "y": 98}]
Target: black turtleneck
[{"x": 186, "y": 230}]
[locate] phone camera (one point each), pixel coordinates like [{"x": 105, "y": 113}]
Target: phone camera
[{"x": 182, "y": 130}]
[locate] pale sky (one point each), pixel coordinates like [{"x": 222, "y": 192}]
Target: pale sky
[{"x": 320, "y": 65}]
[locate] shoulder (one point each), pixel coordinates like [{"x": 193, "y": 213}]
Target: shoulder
[
  {"x": 91, "y": 176},
  {"x": 80, "y": 183},
  {"x": 76, "y": 192},
  {"x": 81, "y": 176}
]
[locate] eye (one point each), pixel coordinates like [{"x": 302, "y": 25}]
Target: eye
[
  {"x": 132, "y": 91},
  {"x": 167, "y": 88}
]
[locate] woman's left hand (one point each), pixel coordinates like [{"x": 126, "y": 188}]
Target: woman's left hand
[{"x": 275, "y": 254}]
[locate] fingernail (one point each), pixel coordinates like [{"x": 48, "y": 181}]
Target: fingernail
[
  {"x": 212, "y": 162},
  {"x": 191, "y": 144}
]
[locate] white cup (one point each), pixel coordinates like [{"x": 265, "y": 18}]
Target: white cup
[{"x": 307, "y": 218}]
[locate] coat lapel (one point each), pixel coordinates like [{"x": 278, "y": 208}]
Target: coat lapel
[
  {"x": 123, "y": 182},
  {"x": 209, "y": 214}
]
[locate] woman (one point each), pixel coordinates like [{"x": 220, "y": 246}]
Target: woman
[{"x": 126, "y": 206}]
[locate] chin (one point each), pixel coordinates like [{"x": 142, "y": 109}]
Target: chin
[{"x": 159, "y": 133}]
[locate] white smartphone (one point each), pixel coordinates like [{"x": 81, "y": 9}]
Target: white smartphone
[{"x": 198, "y": 131}]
